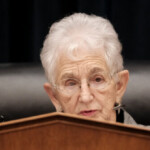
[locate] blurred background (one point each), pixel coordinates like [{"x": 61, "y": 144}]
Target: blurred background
[{"x": 25, "y": 23}]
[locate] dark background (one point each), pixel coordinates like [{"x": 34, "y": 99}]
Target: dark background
[{"x": 25, "y": 23}]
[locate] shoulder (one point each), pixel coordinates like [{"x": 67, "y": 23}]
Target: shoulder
[{"x": 128, "y": 119}]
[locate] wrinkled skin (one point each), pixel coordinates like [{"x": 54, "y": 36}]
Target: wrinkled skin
[{"x": 86, "y": 101}]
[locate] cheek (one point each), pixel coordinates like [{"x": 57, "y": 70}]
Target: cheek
[
  {"x": 68, "y": 103},
  {"x": 111, "y": 98},
  {"x": 107, "y": 97},
  {"x": 62, "y": 98}
]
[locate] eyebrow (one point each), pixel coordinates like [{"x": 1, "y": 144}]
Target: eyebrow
[
  {"x": 96, "y": 70},
  {"x": 67, "y": 75},
  {"x": 92, "y": 71}
]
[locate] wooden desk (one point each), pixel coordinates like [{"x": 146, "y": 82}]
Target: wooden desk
[{"x": 59, "y": 131}]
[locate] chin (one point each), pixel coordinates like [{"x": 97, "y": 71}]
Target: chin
[{"x": 100, "y": 118}]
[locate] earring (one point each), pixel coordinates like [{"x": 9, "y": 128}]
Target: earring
[{"x": 117, "y": 107}]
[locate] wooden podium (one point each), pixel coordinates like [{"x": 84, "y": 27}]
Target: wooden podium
[{"x": 59, "y": 131}]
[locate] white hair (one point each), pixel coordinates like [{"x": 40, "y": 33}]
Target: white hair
[{"x": 75, "y": 32}]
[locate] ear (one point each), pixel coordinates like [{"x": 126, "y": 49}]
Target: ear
[
  {"x": 51, "y": 94},
  {"x": 122, "y": 84}
]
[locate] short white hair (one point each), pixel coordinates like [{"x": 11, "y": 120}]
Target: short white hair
[{"x": 75, "y": 31}]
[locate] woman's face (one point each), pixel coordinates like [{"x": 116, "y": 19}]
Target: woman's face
[{"x": 85, "y": 87}]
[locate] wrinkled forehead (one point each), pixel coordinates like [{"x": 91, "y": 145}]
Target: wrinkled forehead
[{"x": 82, "y": 62}]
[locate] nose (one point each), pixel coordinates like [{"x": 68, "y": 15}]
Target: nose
[{"x": 85, "y": 94}]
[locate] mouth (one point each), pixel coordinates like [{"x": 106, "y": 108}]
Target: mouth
[{"x": 88, "y": 113}]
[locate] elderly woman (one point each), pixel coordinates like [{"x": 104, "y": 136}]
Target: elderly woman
[{"x": 83, "y": 64}]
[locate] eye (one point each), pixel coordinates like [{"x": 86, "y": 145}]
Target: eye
[
  {"x": 97, "y": 82},
  {"x": 70, "y": 83},
  {"x": 98, "y": 79}
]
